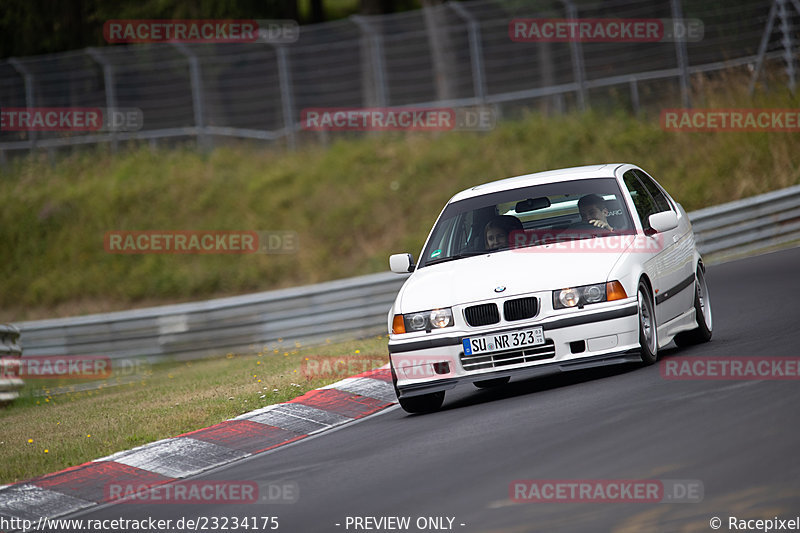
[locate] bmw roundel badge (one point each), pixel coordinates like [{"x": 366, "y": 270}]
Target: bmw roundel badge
[{"x": 500, "y": 288}]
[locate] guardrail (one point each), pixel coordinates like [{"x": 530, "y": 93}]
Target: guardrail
[
  {"x": 10, "y": 353},
  {"x": 310, "y": 314},
  {"x": 749, "y": 225},
  {"x": 344, "y": 308}
]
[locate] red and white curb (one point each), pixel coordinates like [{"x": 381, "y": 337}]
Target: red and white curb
[{"x": 167, "y": 460}]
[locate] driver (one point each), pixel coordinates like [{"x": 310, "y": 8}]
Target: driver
[{"x": 593, "y": 211}]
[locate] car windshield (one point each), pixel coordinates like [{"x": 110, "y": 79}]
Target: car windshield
[{"x": 528, "y": 216}]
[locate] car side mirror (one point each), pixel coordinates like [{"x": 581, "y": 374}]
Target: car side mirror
[
  {"x": 665, "y": 221},
  {"x": 401, "y": 263}
]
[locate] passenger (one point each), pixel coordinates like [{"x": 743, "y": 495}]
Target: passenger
[
  {"x": 593, "y": 211},
  {"x": 498, "y": 231}
]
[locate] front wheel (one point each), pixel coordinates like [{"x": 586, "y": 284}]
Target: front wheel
[
  {"x": 424, "y": 403},
  {"x": 648, "y": 333},
  {"x": 702, "y": 313}
]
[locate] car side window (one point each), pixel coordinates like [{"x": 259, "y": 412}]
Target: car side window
[
  {"x": 642, "y": 200},
  {"x": 659, "y": 198}
]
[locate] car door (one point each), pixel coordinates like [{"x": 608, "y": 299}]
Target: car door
[
  {"x": 665, "y": 267},
  {"x": 680, "y": 259}
]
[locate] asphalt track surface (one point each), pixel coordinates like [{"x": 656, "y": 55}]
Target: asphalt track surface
[{"x": 740, "y": 439}]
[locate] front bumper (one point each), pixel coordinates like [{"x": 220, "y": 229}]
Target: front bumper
[{"x": 582, "y": 339}]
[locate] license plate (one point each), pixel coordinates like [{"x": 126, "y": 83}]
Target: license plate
[{"x": 503, "y": 341}]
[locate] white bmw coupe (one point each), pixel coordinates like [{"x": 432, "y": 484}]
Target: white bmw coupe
[{"x": 543, "y": 273}]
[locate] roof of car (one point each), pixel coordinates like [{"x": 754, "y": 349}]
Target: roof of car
[{"x": 564, "y": 174}]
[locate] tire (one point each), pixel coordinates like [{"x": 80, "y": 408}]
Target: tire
[
  {"x": 489, "y": 383},
  {"x": 648, "y": 330},
  {"x": 702, "y": 313},
  {"x": 425, "y": 403}
]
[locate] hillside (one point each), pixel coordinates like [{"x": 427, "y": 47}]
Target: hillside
[{"x": 351, "y": 203}]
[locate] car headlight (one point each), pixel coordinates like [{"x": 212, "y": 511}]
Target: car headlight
[
  {"x": 588, "y": 294},
  {"x": 423, "y": 321},
  {"x": 441, "y": 318},
  {"x": 567, "y": 298}
]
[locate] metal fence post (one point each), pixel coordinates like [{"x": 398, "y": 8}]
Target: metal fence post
[
  {"x": 287, "y": 101},
  {"x": 554, "y": 102},
  {"x": 110, "y": 90},
  {"x": 635, "y": 95},
  {"x": 762, "y": 48},
  {"x": 29, "y": 97},
  {"x": 377, "y": 62},
  {"x": 682, "y": 55},
  {"x": 475, "y": 51},
  {"x": 788, "y": 42},
  {"x": 578, "y": 68},
  {"x": 442, "y": 49},
  {"x": 10, "y": 355},
  {"x": 197, "y": 94}
]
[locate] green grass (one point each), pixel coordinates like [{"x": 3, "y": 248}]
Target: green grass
[
  {"x": 351, "y": 203},
  {"x": 47, "y": 432}
]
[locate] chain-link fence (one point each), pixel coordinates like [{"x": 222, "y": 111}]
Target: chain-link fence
[{"x": 454, "y": 54}]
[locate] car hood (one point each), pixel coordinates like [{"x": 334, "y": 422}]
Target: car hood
[{"x": 519, "y": 271}]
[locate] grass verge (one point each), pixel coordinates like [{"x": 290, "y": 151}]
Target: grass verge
[{"x": 46, "y": 433}]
